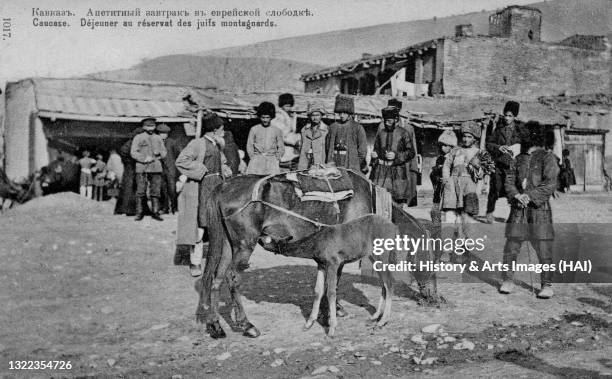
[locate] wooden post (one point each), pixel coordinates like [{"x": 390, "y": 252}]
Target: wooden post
[
  {"x": 199, "y": 123},
  {"x": 584, "y": 175}
]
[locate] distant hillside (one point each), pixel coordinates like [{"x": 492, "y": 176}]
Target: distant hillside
[
  {"x": 560, "y": 19},
  {"x": 232, "y": 74}
]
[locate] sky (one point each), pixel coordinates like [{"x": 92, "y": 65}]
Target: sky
[{"x": 62, "y": 52}]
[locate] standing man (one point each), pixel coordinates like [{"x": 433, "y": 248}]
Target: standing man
[
  {"x": 285, "y": 121},
  {"x": 148, "y": 150},
  {"x": 347, "y": 139},
  {"x": 530, "y": 182},
  {"x": 412, "y": 164},
  {"x": 392, "y": 149},
  {"x": 202, "y": 168},
  {"x": 169, "y": 175},
  {"x": 314, "y": 135},
  {"x": 503, "y": 143},
  {"x": 265, "y": 144}
]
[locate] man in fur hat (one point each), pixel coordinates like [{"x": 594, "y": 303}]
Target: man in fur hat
[
  {"x": 412, "y": 164},
  {"x": 148, "y": 150},
  {"x": 285, "y": 121},
  {"x": 265, "y": 144},
  {"x": 503, "y": 136},
  {"x": 530, "y": 182},
  {"x": 392, "y": 149},
  {"x": 347, "y": 139},
  {"x": 314, "y": 136},
  {"x": 202, "y": 166}
]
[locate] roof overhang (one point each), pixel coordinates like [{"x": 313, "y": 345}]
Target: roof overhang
[{"x": 81, "y": 117}]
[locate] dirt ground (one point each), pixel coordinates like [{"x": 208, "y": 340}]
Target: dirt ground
[{"x": 101, "y": 291}]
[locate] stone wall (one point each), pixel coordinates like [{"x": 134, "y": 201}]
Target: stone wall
[{"x": 489, "y": 66}]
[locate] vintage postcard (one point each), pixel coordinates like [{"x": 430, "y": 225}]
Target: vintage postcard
[{"x": 268, "y": 188}]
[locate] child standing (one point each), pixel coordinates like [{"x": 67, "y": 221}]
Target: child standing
[
  {"x": 567, "y": 178},
  {"x": 86, "y": 181},
  {"x": 99, "y": 182},
  {"x": 462, "y": 170},
  {"x": 447, "y": 141}
]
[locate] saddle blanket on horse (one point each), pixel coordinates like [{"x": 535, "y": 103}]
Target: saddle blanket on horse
[{"x": 327, "y": 185}]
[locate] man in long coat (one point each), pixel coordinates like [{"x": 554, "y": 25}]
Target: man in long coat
[
  {"x": 392, "y": 149},
  {"x": 530, "y": 182},
  {"x": 265, "y": 144},
  {"x": 503, "y": 133},
  {"x": 412, "y": 164},
  {"x": 202, "y": 169},
  {"x": 286, "y": 122},
  {"x": 347, "y": 146}
]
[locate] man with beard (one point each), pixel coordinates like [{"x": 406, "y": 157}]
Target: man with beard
[
  {"x": 392, "y": 149},
  {"x": 148, "y": 150},
  {"x": 347, "y": 139},
  {"x": 314, "y": 136},
  {"x": 502, "y": 144},
  {"x": 202, "y": 166}
]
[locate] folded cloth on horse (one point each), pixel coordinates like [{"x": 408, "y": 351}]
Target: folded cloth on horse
[
  {"x": 335, "y": 183},
  {"x": 327, "y": 197}
]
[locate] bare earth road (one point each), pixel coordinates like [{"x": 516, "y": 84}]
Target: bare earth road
[{"x": 81, "y": 285}]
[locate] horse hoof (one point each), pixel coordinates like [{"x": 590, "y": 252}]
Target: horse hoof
[
  {"x": 215, "y": 330},
  {"x": 308, "y": 325},
  {"x": 251, "y": 332}
]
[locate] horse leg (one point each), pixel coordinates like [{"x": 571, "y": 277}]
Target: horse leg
[
  {"x": 242, "y": 323},
  {"x": 331, "y": 284},
  {"x": 319, "y": 291},
  {"x": 340, "y": 312},
  {"x": 387, "y": 293}
]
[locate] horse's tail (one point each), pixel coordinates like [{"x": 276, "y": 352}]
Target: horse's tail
[{"x": 216, "y": 239}]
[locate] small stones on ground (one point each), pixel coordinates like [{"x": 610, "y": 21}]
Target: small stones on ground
[
  {"x": 111, "y": 362},
  {"x": 319, "y": 370},
  {"x": 418, "y": 338},
  {"x": 326, "y": 349},
  {"x": 160, "y": 326},
  {"x": 358, "y": 354},
  {"x": 177, "y": 376},
  {"x": 490, "y": 347},
  {"x": 450, "y": 339},
  {"x": 576, "y": 323},
  {"x": 376, "y": 363},
  {"x": 88, "y": 252},
  {"x": 315, "y": 344},
  {"x": 224, "y": 356},
  {"x": 333, "y": 369},
  {"x": 443, "y": 346},
  {"x": 184, "y": 339},
  {"x": 513, "y": 334},
  {"x": 432, "y": 329},
  {"x": 394, "y": 349},
  {"x": 548, "y": 342},
  {"x": 278, "y": 350},
  {"x": 106, "y": 310},
  {"x": 277, "y": 362},
  {"x": 265, "y": 353},
  {"x": 464, "y": 345},
  {"x": 557, "y": 318},
  {"x": 580, "y": 340}
]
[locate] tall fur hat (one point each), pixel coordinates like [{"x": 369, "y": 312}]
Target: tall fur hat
[
  {"x": 344, "y": 104},
  {"x": 211, "y": 122},
  {"x": 390, "y": 113},
  {"x": 395, "y": 103},
  {"x": 513, "y": 107},
  {"x": 286, "y": 99},
  {"x": 448, "y": 137},
  {"x": 266, "y": 108},
  {"x": 472, "y": 128}
]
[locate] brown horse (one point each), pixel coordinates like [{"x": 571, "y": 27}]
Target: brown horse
[{"x": 237, "y": 219}]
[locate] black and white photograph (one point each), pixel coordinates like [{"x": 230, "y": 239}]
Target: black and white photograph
[{"x": 313, "y": 189}]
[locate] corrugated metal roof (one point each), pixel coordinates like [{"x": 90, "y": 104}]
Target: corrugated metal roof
[{"x": 91, "y": 97}]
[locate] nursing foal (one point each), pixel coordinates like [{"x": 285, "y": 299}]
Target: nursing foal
[{"x": 335, "y": 245}]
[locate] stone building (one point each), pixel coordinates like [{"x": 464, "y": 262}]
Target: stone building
[{"x": 511, "y": 62}]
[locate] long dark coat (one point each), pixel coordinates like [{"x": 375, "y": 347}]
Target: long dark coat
[
  {"x": 533, "y": 174},
  {"x": 126, "y": 202},
  {"x": 498, "y": 135},
  {"x": 392, "y": 175}
]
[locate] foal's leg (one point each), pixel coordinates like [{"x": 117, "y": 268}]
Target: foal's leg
[
  {"x": 319, "y": 291},
  {"x": 331, "y": 284},
  {"x": 387, "y": 293},
  {"x": 213, "y": 326}
]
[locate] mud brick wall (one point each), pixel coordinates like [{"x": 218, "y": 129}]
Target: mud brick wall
[{"x": 505, "y": 67}]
